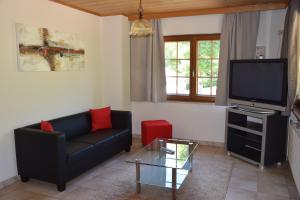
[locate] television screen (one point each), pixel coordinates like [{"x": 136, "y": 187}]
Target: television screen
[{"x": 263, "y": 81}]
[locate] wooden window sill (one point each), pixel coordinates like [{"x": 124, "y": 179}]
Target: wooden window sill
[{"x": 199, "y": 99}]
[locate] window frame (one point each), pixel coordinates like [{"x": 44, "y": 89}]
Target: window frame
[{"x": 193, "y": 39}]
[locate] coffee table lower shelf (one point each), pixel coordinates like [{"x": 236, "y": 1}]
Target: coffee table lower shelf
[{"x": 160, "y": 176}]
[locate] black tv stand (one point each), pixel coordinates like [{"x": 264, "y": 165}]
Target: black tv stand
[{"x": 256, "y": 135}]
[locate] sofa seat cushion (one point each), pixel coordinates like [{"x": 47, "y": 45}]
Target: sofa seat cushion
[
  {"x": 100, "y": 136},
  {"x": 77, "y": 149}
]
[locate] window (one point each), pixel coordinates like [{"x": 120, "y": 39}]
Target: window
[{"x": 192, "y": 63}]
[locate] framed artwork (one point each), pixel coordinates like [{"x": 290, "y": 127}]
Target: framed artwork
[{"x": 41, "y": 49}]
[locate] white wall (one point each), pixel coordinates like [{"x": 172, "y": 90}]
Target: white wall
[
  {"x": 203, "y": 121},
  {"x": 115, "y": 62},
  {"x": 200, "y": 121},
  {"x": 192, "y": 25},
  {"x": 28, "y": 97},
  {"x": 196, "y": 121}
]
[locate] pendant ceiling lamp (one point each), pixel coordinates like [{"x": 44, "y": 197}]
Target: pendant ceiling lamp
[{"x": 141, "y": 27}]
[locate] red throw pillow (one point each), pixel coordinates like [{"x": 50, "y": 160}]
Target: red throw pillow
[
  {"x": 100, "y": 118},
  {"x": 46, "y": 126}
]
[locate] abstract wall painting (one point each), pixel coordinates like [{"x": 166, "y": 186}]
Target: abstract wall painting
[{"x": 41, "y": 49}]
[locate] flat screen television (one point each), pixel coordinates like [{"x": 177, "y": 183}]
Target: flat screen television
[{"x": 259, "y": 83}]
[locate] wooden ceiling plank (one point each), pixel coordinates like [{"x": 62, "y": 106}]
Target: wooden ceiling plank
[
  {"x": 171, "y": 8},
  {"x": 76, "y": 7},
  {"x": 224, "y": 10}
]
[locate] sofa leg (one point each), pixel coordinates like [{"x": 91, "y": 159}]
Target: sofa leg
[
  {"x": 24, "y": 179},
  {"x": 61, "y": 187},
  {"x": 128, "y": 149}
]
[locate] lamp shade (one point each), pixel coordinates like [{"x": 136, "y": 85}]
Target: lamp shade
[{"x": 141, "y": 28}]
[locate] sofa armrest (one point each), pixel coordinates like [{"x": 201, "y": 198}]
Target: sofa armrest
[
  {"x": 41, "y": 154},
  {"x": 123, "y": 120}
]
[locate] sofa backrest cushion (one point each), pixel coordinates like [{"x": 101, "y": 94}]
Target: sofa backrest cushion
[{"x": 73, "y": 125}]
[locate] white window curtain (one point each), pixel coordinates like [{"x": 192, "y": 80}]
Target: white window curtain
[
  {"x": 238, "y": 41},
  {"x": 290, "y": 50},
  {"x": 148, "y": 79}
]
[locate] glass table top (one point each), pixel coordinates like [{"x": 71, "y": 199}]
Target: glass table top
[{"x": 168, "y": 153}]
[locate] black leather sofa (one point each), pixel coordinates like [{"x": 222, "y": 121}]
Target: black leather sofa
[{"x": 59, "y": 156}]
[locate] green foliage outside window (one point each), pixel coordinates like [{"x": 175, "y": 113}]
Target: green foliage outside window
[{"x": 177, "y": 62}]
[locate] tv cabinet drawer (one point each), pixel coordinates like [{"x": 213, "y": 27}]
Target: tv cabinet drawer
[
  {"x": 244, "y": 145},
  {"x": 257, "y": 139}
]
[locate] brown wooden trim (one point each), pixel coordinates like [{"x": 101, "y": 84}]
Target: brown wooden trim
[
  {"x": 193, "y": 66},
  {"x": 213, "y": 36},
  {"x": 223, "y": 10},
  {"x": 205, "y": 99},
  {"x": 287, "y": 2},
  {"x": 177, "y": 38},
  {"x": 178, "y": 98},
  {"x": 76, "y": 7}
]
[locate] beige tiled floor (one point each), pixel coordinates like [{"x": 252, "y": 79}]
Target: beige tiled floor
[{"x": 246, "y": 182}]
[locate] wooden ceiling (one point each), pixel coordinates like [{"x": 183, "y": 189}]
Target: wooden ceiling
[{"x": 171, "y": 8}]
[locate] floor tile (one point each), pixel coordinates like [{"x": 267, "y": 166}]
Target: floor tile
[
  {"x": 264, "y": 196},
  {"x": 293, "y": 192},
  {"x": 243, "y": 184},
  {"x": 242, "y": 173},
  {"x": 47, "y": 189},
  {"x": 18, "y": 195},
  {"x": 273, "y": 189},
  {"x": 42, "y": 197},
  {"x": 240, "y": 194},
  {"x": 271, "y": 177},
  {"x": 211, "y": 164},
  {"x": 82, "y": 194}
]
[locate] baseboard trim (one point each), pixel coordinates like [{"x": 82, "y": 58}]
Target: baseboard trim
[{"x": 9, "y": 181}]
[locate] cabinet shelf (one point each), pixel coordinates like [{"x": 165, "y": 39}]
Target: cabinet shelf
[
  {"x": 245, "y": 129},
  {"x": 242, "y": 120}
]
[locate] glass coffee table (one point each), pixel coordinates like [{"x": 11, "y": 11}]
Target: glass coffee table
[{"x": 164, "y": 163}]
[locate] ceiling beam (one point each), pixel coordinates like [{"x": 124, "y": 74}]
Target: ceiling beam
[
  {"x": 223, "y": 10},
  {"x": 76, "y": 7}
]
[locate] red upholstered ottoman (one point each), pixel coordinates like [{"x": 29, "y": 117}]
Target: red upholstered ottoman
[{"x": 155, "y": 129}]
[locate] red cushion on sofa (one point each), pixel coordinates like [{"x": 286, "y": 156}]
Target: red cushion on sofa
[
  {"x": 46, "y": 126},
  {"x": 101, "y": 118}
]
